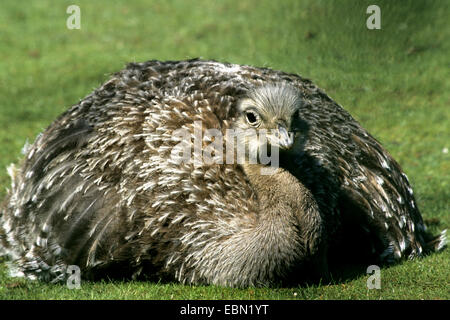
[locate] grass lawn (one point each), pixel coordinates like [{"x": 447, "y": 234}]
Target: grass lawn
[{"x": 395, "y": 81}]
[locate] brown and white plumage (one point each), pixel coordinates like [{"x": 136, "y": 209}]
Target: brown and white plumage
[{"x": 100, "y": 189}]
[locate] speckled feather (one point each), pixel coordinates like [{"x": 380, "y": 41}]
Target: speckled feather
[{"x": 99, "y": 189}]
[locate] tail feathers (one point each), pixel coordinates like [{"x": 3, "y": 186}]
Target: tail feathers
[{"x": 439, "y": 242}]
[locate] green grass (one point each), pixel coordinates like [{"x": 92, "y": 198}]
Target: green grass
[{"x": 395, "y": 81}]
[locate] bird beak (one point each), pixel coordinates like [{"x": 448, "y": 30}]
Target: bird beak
[{"x": 285, "y": 139}]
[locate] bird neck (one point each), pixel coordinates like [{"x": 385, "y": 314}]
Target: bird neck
[
  {"x": 273, "y": 187},
  {"x": 288, "y": 210},
  {"x": 283, "y": 233}
]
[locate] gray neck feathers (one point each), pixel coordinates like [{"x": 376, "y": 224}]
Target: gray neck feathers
[{"x": 284, "y": 231}]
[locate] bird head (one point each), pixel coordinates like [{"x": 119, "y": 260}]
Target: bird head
[{"x": 267, "y": 117}]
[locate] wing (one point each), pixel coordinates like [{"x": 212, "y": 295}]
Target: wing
[
  {"x": 374, "y": 197},
  {"x": 53, "y": 202},
  {"x": 64, "y": 203}
]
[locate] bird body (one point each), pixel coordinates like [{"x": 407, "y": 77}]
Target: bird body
[{"x": 104, "y": 186}]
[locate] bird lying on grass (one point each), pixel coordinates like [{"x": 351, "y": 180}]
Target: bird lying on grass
[{"x": 113, "y": 186}]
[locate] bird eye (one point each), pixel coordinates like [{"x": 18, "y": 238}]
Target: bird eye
[{"x": 252, "y": 117}]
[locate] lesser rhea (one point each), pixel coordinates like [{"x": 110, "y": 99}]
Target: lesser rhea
[{"x": 105, "y": 187}]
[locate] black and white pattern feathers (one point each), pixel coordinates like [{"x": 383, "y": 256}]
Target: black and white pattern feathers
[{"x": 99, "y": 188}]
